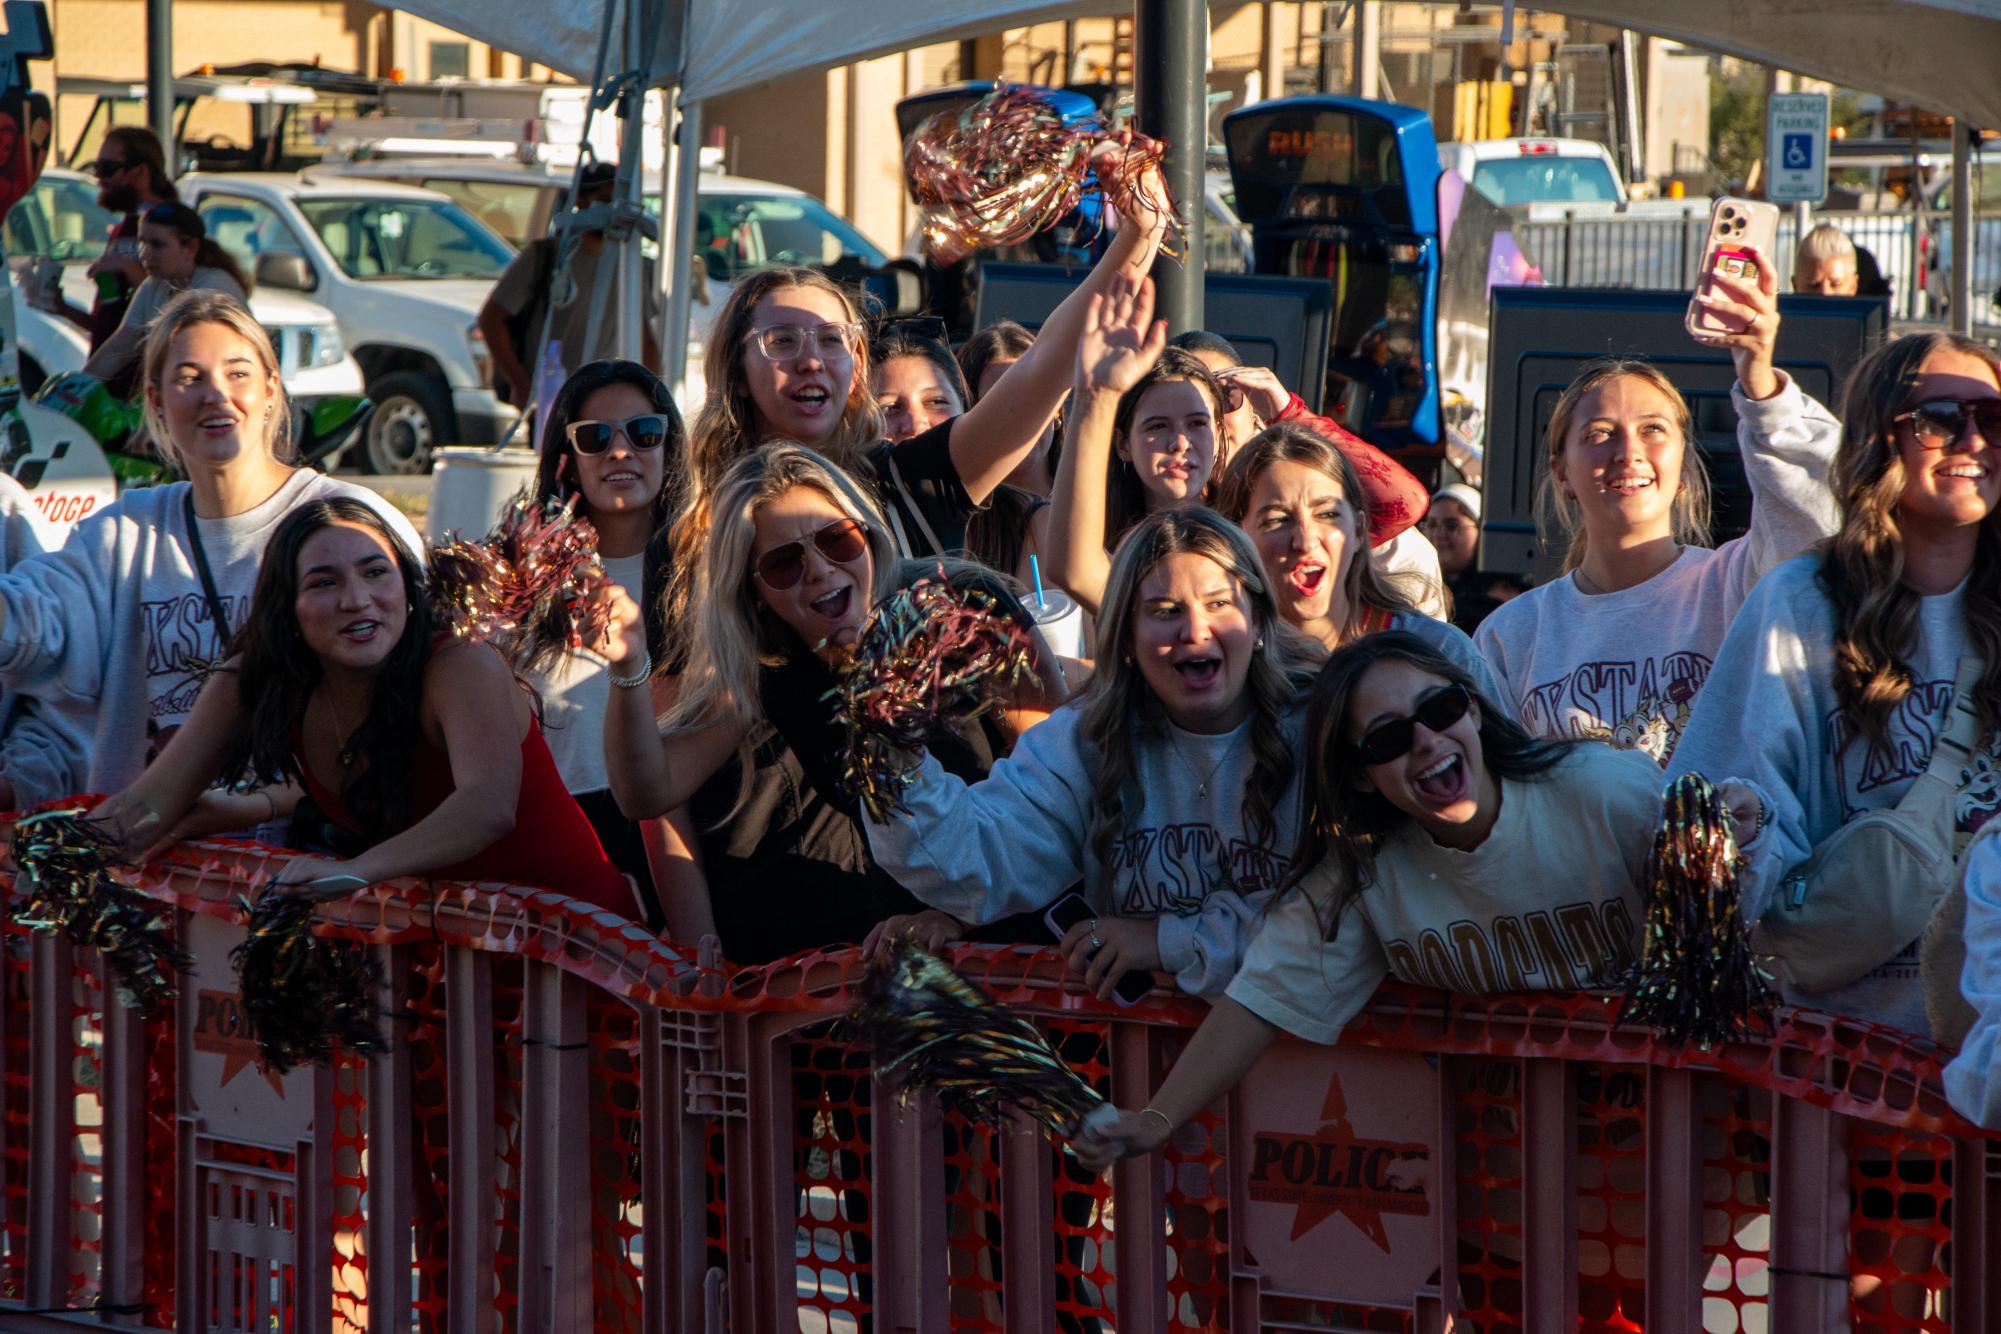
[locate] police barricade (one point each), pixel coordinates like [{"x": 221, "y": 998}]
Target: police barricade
[{"x": 577, "y": 1125}]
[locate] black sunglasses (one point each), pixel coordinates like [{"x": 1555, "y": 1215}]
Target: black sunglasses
[
  {"x": 105, "y": 167},
  {"x": 1938, "y": 422},
  {"x": 841, "y": 542},
  {"x": 909, "y": 326},
  {"x": 1392, "y": 738},
  {"x": 646, "y": 431}
]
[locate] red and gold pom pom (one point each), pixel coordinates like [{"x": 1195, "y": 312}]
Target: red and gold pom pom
[
  {"x": 530, "y": 584},
  {"x": 1008, "y": 167}
]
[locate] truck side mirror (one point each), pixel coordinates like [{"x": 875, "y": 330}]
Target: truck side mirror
[{"x": 281, "y": 269}]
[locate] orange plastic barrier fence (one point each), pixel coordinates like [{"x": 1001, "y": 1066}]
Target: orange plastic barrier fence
[{"x": 580, "y": 1126}]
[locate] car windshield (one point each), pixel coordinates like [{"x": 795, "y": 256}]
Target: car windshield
[
  {"x": 1546, "y": 179},
  {"x": 741, "y": 233},
  {"x": 406, "y": 238},
  {"x": 59, "y": 219},
  {"x": 518, "y": 210}
]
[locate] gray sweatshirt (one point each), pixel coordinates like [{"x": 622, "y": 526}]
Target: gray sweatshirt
[
  {"x": 1625, "y": 667},
  {"x": 1768, "y": 718},
  {"x": 1015, "y": 841},
  {"x": 1456, "y": 647},
  {"x": 41, "y": 751},
  {"x": 111, "y": 629},
  {"x": 1973, "y": 1079}
]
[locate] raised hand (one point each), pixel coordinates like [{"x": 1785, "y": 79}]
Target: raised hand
[
  {"x": 624, "y": 642},
  {"x": 1121, "y": 340},
  {"x": 1749, "y": 314}
]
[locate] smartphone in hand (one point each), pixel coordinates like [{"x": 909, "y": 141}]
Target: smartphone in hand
[
  {"x": 1066, "y": 913},
  {"x": 1737, "y": 227}
]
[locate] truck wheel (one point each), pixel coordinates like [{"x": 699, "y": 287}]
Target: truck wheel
[{"x": 412, "y": 414}]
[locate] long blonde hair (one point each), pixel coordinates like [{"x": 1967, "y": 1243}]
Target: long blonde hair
[
  {"x": 731, "y": 632},
  {"x": 203, "y": 306},
  {"x": 1119, "y": 706},
  {"x": 726, "y": 428},
  {"x": 1862, "y": 565},
  {"x": 1557, "y": 516},
  {"x": 1364, "y": 585}
]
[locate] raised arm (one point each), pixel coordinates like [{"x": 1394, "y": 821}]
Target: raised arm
[
  {"x": 998, "y": 432},
  {"x": 1119, "y": 343},
  {"x": 652, "y": 773}
]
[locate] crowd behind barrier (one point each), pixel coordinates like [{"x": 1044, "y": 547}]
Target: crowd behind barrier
[{"x": 580, "y": 1125}]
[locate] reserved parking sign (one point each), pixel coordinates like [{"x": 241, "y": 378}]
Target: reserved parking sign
[{"x": 1796, "y": 148}]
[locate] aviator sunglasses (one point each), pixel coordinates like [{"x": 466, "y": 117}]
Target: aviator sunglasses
[
  {"x": 841, "y": 542},
  {"x": 1938, "y": 422},
  {"x": 646, "y": 431},
  {"x": 1392, "y": 738}
]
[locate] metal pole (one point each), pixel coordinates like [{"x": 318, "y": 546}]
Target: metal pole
[
  {"x": 684, "y": 175},
  {"x": 1170, "y": 71},
  {"x": 1962, "y": 227},
  {"x": 160, "y": 75},
  {"x": 632, "y": 183},
  {"x": 1368, "y": 48}
]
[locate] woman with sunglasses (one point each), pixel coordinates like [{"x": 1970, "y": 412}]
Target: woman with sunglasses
[
  {"x": 1169, "y": 787},
  {"x": 178, "y": 256},
  {"x": 786, "y": 361},
  {"x": 1837, "y": 677},
  {"x": 398, "y": 750},
  {"x": 1619, "y": 646},
  {"x": 607, "y": 444},
  {"x": 1296, "y": 494},
  {"x": 797, "y": 557},
  {"x": 1438, "y": 843}
]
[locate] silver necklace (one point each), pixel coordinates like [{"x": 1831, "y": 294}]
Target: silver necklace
[{"x": 1203, "y": 781}]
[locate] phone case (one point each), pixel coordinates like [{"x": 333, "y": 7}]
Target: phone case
[{"x": 1735, "y": 225}]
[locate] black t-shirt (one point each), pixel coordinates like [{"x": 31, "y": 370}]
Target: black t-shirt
[{"x": 917, "y": 481}]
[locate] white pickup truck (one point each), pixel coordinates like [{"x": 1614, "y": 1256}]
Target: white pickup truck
[{"x": 404, "y": 271}]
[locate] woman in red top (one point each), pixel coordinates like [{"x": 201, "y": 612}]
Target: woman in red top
[{"x": 342, "y": 701}]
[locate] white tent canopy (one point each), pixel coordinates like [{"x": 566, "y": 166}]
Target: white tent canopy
[{"x": 1938, "y": 54}]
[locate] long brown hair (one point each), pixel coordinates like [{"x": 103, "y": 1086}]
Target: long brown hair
[
  {"x": 1126, "y": 503},
  {"x": 1347, "y": 824},
  {"x": 1862, "y": 565},
  {"x": 1557, "y": 516},
  {"x": 1118, "y": 705},
  {"x": 1364, "y": 586}
]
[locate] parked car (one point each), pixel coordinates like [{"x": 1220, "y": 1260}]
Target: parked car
[
  {"x": 60, "y": 220},
  {"x": 1536, "y": 170},
  {"x": 403, "y": 270}
]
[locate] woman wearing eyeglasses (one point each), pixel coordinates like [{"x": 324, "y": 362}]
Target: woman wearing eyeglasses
[
  {"x": 178, "y": 256},
  {"x": 607, "y": 444},
  {"x": 797, "y": 557},
  {"x": 787, "y": 361},
  {"x": 1620, "y": 644},
  {"x": 1440, "y": 844},
  {"x": 1838, "y": 676}
]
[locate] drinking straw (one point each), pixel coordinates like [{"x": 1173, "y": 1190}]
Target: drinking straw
[{"x": 1035, "y": 573}]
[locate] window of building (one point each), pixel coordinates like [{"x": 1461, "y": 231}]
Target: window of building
[{"x": 451, "y": 60}]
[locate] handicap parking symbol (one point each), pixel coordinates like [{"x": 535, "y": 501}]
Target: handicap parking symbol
[{"x": 1798, "y": 151}]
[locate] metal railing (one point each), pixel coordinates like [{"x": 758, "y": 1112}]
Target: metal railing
[{"x": 578, "y": 1126}]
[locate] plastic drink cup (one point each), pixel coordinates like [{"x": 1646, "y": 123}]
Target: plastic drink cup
[{"x": 1061, "y": 621}]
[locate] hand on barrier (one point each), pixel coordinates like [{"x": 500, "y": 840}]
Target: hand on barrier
[
  {"x": 321, "y": 879},
  {"x": 1101, "y": 951},
  {"x": 930, "y": 929},
  {"x": 1098, "y": 1146}
]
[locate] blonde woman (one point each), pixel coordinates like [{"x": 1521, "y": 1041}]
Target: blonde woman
[
  {"x": 797, "y": 556},
  {"x": 115, "y": 628},
  {"x": 1619, "y": 645},
  {"x": 1837, "y": 678},
  {"x": 787, "y": 360},
  {"x": 1169, "y": 787},
  {"x": 1298, "y": 496}
]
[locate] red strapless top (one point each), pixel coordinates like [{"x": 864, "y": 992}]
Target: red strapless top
[{"x": 552, "y": 845}]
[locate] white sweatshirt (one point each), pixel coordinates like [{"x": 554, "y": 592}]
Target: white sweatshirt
[
  {"x": 1551, "y": 901},
  {"x": 1770, "y": 719},
  {"x": 1625, "y": 667},
  {"x": 111, "y": 629},
  {"x": 1017, "y": 840},
  {"x": 1973, "y": 1078},
  {"x": 41, "y": 751}
]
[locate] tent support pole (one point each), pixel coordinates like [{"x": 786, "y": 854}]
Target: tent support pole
[
  {"x": 632, "y": 182},
  {"x": 1170, "y": 66},
  {"x": 1962, "y": 226},
  {"x": 160, "y": 77},
  {"x": 684, "y": 175}
]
